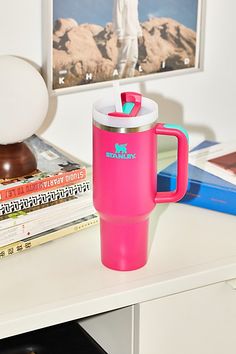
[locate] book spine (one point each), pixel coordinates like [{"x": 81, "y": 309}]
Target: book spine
[
  {"x": 26, "y": 244},
  {"x": 44, "y": 184},
  {"x": 210, "y": 197},
  {"x": 34, "y": 227},
  {"x": 203, "y": 195},
  {"x": 45, "y": 197}
]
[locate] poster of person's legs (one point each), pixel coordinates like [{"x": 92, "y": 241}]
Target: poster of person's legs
[{"x": 103, "y": 40}]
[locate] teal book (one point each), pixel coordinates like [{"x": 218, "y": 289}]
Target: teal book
[{"x": 205, "y": 190}]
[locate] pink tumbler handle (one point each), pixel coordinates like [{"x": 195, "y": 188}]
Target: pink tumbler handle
[{"x": 182, "y": 162}]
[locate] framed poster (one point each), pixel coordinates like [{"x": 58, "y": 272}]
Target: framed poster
[{"x": 89, "y": 43}]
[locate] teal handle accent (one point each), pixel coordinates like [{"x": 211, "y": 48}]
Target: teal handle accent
[
  {"x": 127, "y": 107},
  {"x": 178, "y": 127}
]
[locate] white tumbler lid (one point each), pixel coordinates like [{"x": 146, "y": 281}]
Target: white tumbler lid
[{"x": 147, "y": 115}]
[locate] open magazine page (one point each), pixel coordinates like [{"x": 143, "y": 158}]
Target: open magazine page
[{"x": 219, "y": 160}]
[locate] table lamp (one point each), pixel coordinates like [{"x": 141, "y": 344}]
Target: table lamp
[{"x": 23, "y": 108}]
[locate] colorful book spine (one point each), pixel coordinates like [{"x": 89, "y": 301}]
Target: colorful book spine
[
  {"x": 51, "y": 235},
  {"x": 44, "y": 184},
  {"x": 33, "y": 200}
]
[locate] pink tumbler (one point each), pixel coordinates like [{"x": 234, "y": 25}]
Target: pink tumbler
[{"x": 125, "y": 179}]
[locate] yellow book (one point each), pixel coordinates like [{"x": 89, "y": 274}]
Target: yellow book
[{"x": 49, "y": 235}]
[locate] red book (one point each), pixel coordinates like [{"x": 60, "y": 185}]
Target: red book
[{"x": 54, "y": 169}]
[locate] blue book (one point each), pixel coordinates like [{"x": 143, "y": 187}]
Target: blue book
[{"x": 204, "y": 189}]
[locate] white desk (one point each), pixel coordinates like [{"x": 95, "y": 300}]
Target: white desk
[{"x": 64, "y": 280}]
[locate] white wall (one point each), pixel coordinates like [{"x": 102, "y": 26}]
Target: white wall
[{"x": 204, "y": 102}]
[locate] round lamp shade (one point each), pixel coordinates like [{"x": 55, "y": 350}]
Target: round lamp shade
[{"x": 23, "y": 100}]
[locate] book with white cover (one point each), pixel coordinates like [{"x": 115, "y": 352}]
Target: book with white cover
[
  {"x": 219, "y": 160},
  {"x": 37, "y": 226},
  {"x": 49, "y": 235},
  {"x": 58, "y": 209}
]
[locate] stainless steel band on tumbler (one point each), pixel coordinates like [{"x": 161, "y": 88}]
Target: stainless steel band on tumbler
[{"x": 141, "y": 128}]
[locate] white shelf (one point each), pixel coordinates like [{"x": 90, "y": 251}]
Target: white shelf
[{"x": 64, "y": 280}]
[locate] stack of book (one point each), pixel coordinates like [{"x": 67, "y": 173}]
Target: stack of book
[
  {"x": 53, "y": 202},
  {"x": 212, "y": 177}
]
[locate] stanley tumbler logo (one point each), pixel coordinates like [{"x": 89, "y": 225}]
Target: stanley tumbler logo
[{"x": 121, "y": 153}]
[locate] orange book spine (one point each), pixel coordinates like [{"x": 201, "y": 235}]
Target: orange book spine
[{"x": 47, "y": 183}]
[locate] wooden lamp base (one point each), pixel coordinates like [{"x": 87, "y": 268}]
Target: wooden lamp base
[{"x": 16, "y": 160}]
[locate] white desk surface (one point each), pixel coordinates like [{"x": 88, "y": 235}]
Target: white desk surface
[{"x": 65, "y": 280}]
